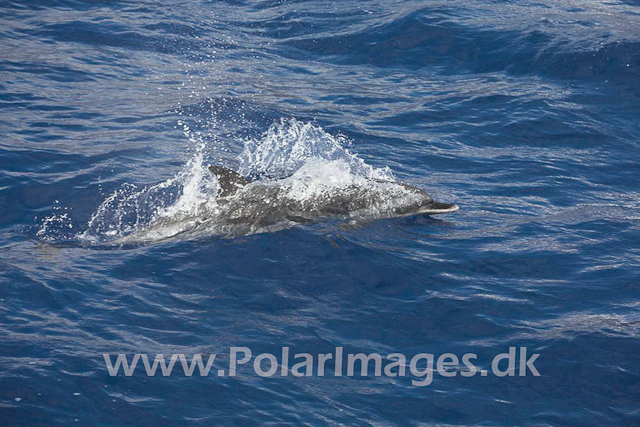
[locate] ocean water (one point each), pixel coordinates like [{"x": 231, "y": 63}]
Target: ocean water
[{"x": 526, "y": 114}]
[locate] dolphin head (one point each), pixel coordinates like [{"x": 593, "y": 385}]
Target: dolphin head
[{"x": 423, "y": 204}]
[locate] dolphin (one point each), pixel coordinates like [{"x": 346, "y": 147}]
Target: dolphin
[
  {"x": 265, "y": 204},
  {"x": 243, "y": 207}
]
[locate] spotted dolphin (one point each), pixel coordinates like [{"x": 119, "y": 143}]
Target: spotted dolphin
[
  {"x": 262, "y": 204},
  {"x": 243, "y": 207}
]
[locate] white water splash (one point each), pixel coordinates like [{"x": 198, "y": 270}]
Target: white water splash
[
  {"x": 289, "y": 144},
  {"x": 189, "y": 193},
  {"x": 317, "y": 177}
]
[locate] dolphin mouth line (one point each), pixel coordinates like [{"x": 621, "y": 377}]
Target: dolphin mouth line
[{"x": 440, "y": 208}]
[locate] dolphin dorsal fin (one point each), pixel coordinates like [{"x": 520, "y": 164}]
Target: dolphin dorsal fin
[{"x": 230, "y": 181}]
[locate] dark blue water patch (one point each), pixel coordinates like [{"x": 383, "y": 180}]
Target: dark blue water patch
[
  {"x": 631, "y": 2},
  {"x": 414, "y": 41},
  {"x": 25, "y": 196},
  {"x": 430, "y": 39},
  {"x": 55, "y": 73},
  {"x": 115, "y": 36},
  {"x": 222, "y": 112},
  {"x": 618, "y": 62}
]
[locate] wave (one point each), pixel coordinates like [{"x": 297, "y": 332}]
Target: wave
[{"x": 441, "y": 41}]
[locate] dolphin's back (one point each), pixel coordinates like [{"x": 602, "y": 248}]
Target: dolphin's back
[{"x": 230, "y": 181}]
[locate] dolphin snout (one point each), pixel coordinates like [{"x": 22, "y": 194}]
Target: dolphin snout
[{"x": 439, "y": 208}]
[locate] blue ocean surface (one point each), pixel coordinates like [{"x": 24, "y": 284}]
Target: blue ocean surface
[{"x": 526, "y": 114}]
